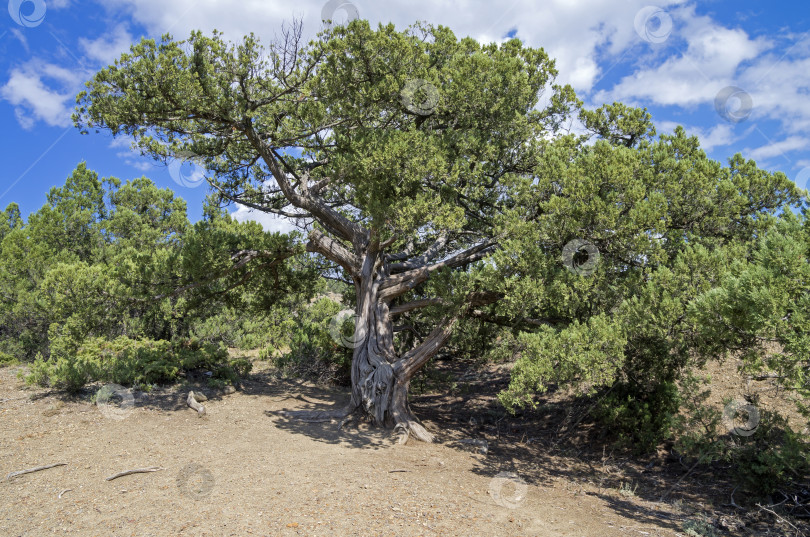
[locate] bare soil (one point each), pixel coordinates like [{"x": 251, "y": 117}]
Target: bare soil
[{"x": 244, "y": 470}]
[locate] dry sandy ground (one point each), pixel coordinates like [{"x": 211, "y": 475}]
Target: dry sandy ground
[{"x": 241, "y": 470}]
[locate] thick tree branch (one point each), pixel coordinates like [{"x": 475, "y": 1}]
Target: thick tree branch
[
  {"x": 419, "y": 355},
  {"x": 402, "y": 283},
  {"x": 344, "y": 227},
  {"x": 426, "y": 257},
  {"x": 320, "y": 243}
]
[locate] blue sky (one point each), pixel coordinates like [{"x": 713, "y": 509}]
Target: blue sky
[{"x": 736, "y": 73}]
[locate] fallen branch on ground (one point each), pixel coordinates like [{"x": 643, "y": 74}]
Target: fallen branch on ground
[
  {"x": 37, "y": 469},
  {"x": 777, "y": 516},
  {"x": 135, "y": 471}
]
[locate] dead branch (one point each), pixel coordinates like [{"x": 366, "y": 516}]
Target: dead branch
[
  {"x": 31, "y": 470},
  {"x": 135, "y": 471},
  {"x": 777, "y": 516}
]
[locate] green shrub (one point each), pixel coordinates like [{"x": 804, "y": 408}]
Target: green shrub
[
  {"x": 240, "y": 330},
  {"x": 700, "y": 527},
  {"x": 7, "y": 359},
  {"x": 770, "y": 458},
  {"x": 313, "y": 352},
  {"x": 638, "y": 418},
  {"x": 697, "y": 425},
  {"x": 129, "y": 362}
]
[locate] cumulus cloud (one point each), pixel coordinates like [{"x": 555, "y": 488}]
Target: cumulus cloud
[
  {"x": 711, "y": 59},
  {"x": 780, "y": 148},
  {"x": 107, "y": 48},
  {"x": 41, "y": 92}
]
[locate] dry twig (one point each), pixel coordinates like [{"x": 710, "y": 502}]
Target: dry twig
[
  {"x": 37, "y": 469},
  {"x": 135, "y": 471}
]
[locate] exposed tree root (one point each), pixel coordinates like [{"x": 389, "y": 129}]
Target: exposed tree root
[
  {"x": 410, "y": 427},
  {"x": 192, "y": 402}
]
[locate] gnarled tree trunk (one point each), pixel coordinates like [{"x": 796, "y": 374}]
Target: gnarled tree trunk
[{"x": 381, "y": 377}]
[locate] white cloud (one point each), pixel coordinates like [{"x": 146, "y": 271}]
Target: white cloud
[
  {"x": 779, "y": 88},
  {"x": 130, "y": 156},
  {"x": 20, "y": 36},
  {"x": 792, "y": 143},
  {"x": 270, "y": 222},
  {"x": 708, "y": 64},
  {"x": 109, "y": 47},
  {"x": 41, "y": 91}
]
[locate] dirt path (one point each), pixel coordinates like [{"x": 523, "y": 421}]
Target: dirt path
[{"x": 243, "y": 471}]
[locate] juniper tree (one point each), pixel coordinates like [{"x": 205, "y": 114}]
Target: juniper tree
[{"x": 438, "y": 177}]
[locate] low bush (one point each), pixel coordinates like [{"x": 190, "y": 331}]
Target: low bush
[
  {"x": 244, "y": 331},
  {"x": 768, "y": 459},
  {"x": 7, "y": 359},
  {"x": 639, "y": 419},
  {"x": 771, "y": 458},
  {"x": 314, "y": 352},
  {"x": 133, "y": 362}
]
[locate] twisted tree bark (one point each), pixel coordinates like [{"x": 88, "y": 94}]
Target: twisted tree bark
[{"x": 381, "y": 377}]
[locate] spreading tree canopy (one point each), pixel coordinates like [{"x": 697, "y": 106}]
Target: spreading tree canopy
[{"x": 440, "y": 179}]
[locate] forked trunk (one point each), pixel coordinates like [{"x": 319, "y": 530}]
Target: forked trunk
[{"x": 381, "y": 377}]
